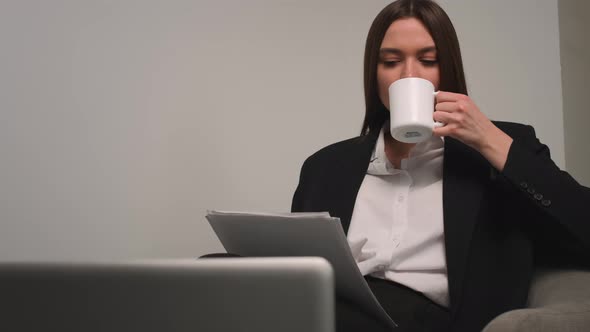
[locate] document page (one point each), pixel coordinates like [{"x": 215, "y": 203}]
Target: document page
[{"x": 298, "y": 234}]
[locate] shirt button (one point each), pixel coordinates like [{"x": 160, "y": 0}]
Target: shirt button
[
  {"x": 382, "y": 267},
  {"x": 400, "y": 198},
  {"x": 538, "y": 196}
]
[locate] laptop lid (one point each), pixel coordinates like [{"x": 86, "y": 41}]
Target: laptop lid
[{"x": 231, "y": 294}]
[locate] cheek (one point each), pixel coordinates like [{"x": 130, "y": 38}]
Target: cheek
[
  {"x": 384, "y": 81},
  {"x": 434, "y": 78}
]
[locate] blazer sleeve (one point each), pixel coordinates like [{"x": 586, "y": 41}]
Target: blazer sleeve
[{"x": 559, "y": 205}]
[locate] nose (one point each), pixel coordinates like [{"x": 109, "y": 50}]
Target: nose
[{"x": 409, "y": 69}]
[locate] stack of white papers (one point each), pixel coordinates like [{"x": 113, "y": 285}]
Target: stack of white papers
[{"x": 298, "y": 234}]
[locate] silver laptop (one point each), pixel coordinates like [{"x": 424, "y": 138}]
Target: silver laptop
[{"x": 230, "y": 294}]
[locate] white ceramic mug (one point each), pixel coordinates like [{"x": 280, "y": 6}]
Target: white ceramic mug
[{"x": 411, "y": 105}]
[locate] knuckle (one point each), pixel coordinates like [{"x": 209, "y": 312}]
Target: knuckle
[{"x": 462, "y": 106}]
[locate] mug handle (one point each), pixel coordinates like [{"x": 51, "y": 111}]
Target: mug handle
[{"x": 436, "y": 123}]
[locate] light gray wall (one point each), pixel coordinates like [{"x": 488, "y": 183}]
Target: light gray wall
[
  {"x": 574, "y": 27},
  {"x": 124, "y": 121},
  {"x": 511, "y": 55}
]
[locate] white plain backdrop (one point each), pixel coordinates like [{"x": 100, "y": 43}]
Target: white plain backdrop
[{"x": 123, "y": 121}]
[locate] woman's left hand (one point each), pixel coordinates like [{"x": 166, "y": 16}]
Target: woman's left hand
[{"x": 465, "y": 122}]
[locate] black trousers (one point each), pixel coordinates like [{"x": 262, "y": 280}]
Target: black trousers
[{"x": 411, "y": 310}]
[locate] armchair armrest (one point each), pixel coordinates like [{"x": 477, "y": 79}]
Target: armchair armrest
[{"x": 559, "y": 300}]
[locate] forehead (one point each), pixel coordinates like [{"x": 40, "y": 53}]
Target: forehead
[{"x": 407, "y": 33}]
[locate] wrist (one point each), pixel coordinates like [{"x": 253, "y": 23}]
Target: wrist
[{"x": 495, "y": 148}]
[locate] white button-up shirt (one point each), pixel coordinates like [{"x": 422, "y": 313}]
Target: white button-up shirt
[{"x": 396, "y": 231}]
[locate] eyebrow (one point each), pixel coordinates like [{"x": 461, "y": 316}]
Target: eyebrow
[{"x": 397, "y": 51}]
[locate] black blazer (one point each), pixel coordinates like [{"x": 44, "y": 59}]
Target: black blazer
[{"x": 498, "y": 225}]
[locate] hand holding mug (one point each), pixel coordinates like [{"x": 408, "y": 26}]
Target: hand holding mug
[
  {"x": 417, "y": 112},
  {"x": 466, "y": 123}
]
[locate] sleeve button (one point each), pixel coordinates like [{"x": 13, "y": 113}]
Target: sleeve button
[
  {"x": 538, "y": 196},
  {"x": 546, "y": 202},
  {"x": 531, "y": 191},
  {"x": 524, "y": 185}
]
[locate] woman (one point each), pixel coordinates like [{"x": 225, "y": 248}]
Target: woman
[{"x": 446, "y": 231}]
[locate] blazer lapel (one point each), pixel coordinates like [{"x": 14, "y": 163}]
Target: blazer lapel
[
  {"x": 353, "y": 172},
  {"x": 462, "y": 193}
]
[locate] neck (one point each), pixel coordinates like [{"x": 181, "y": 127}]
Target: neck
[{"x": 396, "y": 150}]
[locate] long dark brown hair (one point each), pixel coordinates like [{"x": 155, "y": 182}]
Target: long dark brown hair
[{"x": 438, "y": 24}]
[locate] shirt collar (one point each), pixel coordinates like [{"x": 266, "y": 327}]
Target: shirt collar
[{"x": 380, "y": 165}]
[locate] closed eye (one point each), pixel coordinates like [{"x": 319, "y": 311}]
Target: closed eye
[
  {"x": 429, "y": 63},
  {"x": 390, "y": 63}
]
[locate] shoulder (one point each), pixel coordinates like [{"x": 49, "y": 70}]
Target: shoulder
[
  {"x": 335, "y": 152},
  {"x": 340, "y": 152},
  {"x": 338, "y": 149}
]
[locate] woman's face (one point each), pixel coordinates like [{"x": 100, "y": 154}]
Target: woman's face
[{"x": 407, "y": 50}]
